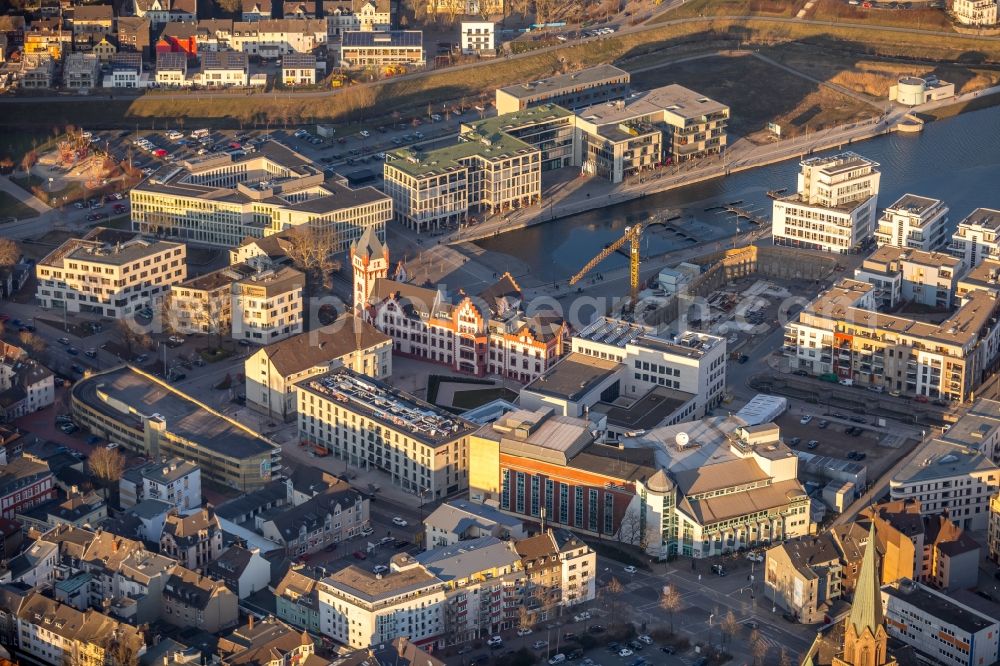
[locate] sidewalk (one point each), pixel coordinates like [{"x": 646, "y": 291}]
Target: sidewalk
[{"x": 24, "y": 197}]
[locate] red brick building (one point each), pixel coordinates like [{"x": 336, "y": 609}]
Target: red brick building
[{"x": 23, "y": 485}]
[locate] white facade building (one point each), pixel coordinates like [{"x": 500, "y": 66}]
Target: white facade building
[
  {"x": 479, "y": 38},
  {"x": 975, "y": 12},
  {"x": 834, "y": 207},
  {"x": 109, "y": 272},
  {"x": 174, "y": 481},
  {"x": 267, "y": 307},
  {"x": 939, "y": 627},
  {"x": 916, "y": 222},
  {"x": 977, "y": 237}
]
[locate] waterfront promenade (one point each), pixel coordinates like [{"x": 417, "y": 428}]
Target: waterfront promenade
[{"x": 570, "y": 197}]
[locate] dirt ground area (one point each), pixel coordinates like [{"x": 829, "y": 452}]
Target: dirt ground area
[
  {"x": 874, "y": 77},
  {"x": 797, "y": 104}
]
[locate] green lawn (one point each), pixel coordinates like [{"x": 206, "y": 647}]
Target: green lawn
[{"x": 10, "y": 206}]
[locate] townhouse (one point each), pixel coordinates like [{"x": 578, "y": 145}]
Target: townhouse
[
  {"x": 256, "y": 10},
  {"x": 297, "y": 597},
  {"x": 244, "y": 570},
  {"x": 224, "y": 69},
  {"x": 194, "y": 540},
  {"x": 24, "y": 484},
  {"x": 109, "y": 272},
  {"x": 81, "y": 71},
  {"x": 298, "y": 69},
  {"x": 337, "y": 513},
  {"x": 345, "y": 15},
  {"x": 160, "y": 12},
  {"x": 171, "y": 70},
  {"x": 193, "y": 600}
]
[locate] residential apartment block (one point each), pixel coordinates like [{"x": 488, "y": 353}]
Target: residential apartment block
[
  {"x": 479, "y": 38},
  {"x": 194, "y": 540},
  {"x": 267, "y": 306},
  {"x": 842, "y": 332},
  {"x": 81, "y": 71},
  {"x": 222, "y": 199},
  {"x": 344, "y": 15},
  {"x": 485, "y": 333},
  {"x": 928, "y": 549},
  {"x": 204, "y": 304},
  {"x": 587, "y": 87},
  {"x": 953, "y": 473},
  {"x": 330, "y": 512},
  {"x": 271, "y": 38},
  {"x": 109, "y": 272},
  {"x": 422, "y": 448},
  {"x": 834, "y": 206},
  {"x": 977, "y": 237},
  {"x": 975, "y": 12},
  {"x": 24, "y": 484},
  {"x": 361, "y": 48},
  {"x": 915, "y": 222},
  {"x": 148, "y": 416},
  {"x": 272, "y": 371},
  {"x": 936, "y": 625},
  {"x": 455, "y": 593},
  {"x": 25, "y": 384},
  {"x": 902, "y": 275},
  {"x": 175, "y": 481}
]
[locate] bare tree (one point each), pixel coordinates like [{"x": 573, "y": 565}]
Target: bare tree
[
  {"x": 229, "y": 6},
  {"x": 32, "y": 341},
  {"x": 758, "y": 646},
  {"x": 130, "y": 338},
  {"x": 729, "y": 627},
  {"x": 29, "y": 160},
  {"x": 312, "y": 253},
  {"x": 612, "y": 593},
  {"x": 525, "y": 619},
  {"x": 784, "y": 659},
  {"x": 106, "y": 464},
  {"x": 670, "y": 601},
  {"x": 630, "y": 531},
  {"x": 121, "y": 646},
  {"x": 10, "y": 253}
]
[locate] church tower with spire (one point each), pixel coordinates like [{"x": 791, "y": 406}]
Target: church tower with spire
[
  {"x": 865, "y": 638},
  {"x": 369, "y": 261}
]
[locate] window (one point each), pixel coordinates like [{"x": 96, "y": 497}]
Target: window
[
  {"x": 592, "y": 511},
  {"x": 505, "y": 489},
  {"x": 563, "y": 503},
  {"x": 535, "y": 491},
  {"x": 609, "y": 513},
  {"x": 519, "y": 497},
  {"x": 550, "y": 498},
  {"x": 578, "y": 507}
]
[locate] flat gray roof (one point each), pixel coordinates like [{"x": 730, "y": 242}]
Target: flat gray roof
[
  {"x": 185, "y": 418},
  {"x": 563, "y": 83},
  {"x": 574, "y": 376},
  {"x": 912, "y": 203},
  {"x": 939, "y": 607}
]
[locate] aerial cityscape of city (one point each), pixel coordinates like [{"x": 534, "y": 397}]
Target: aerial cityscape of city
[{"x": 499, "y": 333}]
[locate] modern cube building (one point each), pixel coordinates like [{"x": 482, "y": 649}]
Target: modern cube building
[
  {"x": 834, "y": 207},
  {"x": 915, "y": 222},
  {"x": 221, "y": 199},
  {"x": 977, "y": 237},
  {"x": 359, "y": 49},
  {"x": 109, "y": 272}
]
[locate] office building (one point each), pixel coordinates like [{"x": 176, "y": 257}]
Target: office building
[
  {"x": 834, "y": 207},
  {"x": 391, "y": 48},
  {"x": 221, "y": 199},
  {"x": 109, "y": 272},
  {"x": 267, "y": 306},
  {"x": 977, "y": 237},
  {"x": 438, "y": 189},
  {"x": 350, "y": 342},
  {"x": 915, "y": 222},
  {"x": 841, "y": 332},
  {"x": 902, "y": 275},
  {"x": 546, "y": 127},
  {"x": 152, "y": 418},
  {"x": 669, "y": 124},
  {"x": 485, "y": 333},
  {"x": 586, "y": 87},
  {"x": 937, "y": 626},
  {"x": 424, "y": 449},
  {"x": 975, "y": 12}
]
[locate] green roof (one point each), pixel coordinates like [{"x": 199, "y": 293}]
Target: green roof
[
  {"x": 517, "y": 119},
  {"x": 440, "y": 160}
]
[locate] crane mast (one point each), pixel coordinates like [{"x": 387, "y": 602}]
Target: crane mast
[{"x": 633, "y": 236}]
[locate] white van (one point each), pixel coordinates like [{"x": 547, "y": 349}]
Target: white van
[{"x": 847, "y": 382}]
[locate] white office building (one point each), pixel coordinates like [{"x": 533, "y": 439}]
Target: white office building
[
  {"x": 939, "y": 627},
  {"x": 915, "y": 222},
  {"x": 834, "y": 207}
]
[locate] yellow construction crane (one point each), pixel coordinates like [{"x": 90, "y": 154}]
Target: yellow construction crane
[{"x": 632, "y": 235}]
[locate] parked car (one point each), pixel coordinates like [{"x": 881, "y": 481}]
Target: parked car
[
  {"x": 538, "y": 645},
  {"x": 806, "y": 419},
  {"x": 824, "y": 424},
  {"x": 625, "y": 652},
  {"x": 813, "y": 443},
  {"x": 718, "y": 570},
  {"x": 630, "y": 569},
  {"x": 360, "y": 555},
  {"x": 399, "y": 522},
  {"x": 367, "y": 532},
  {"x": 523, "y": 631},
  {"x": 557, "y": 658},
  {"x": 755, "y": 557},
  {"x": 495, "y": 641},
  {"x": 379, "y": 569},
  {"x": 645, "y": 639}
]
